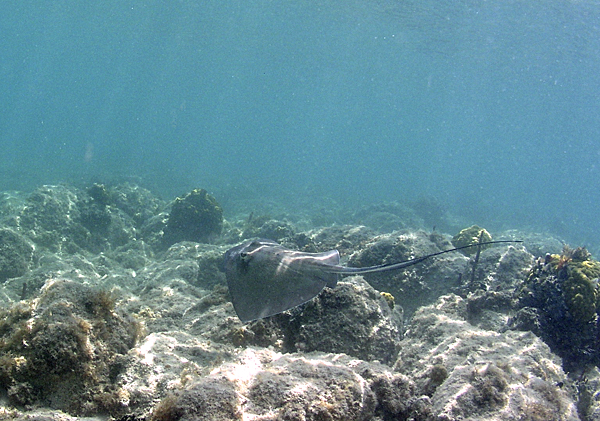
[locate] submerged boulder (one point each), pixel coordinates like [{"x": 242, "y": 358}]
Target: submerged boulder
[
  {"x": 196, "y": 217},
  {"x": 352, "y": 318},
  {"x": 560, "y": 302},
  {"x": 262, "y": 384},
  {"x": 476, "y": 374},
  {"x": 64, "y": 349},
  {"x": 471, "y": 236},
  {"x": 16, "y": 254},
  {"x": 416, "y": 285}
]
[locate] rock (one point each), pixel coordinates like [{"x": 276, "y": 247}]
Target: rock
[
  {"x": 210, "y": 399},
  {"x": 470, "y": 236},
  {"x": 264, "y": 227},
  {"x": 65, "y": 349},
  {"x": 416, "y": 285},
  {"x": 204, "y": 260},
  {"x": 560, "y": 302},
  {"x": 163, "y": 363},
  {"x": 490, "y": 375},
  {"x": 346, "y": 239},
  {"x": 16, "y": 254},
  {"x": 262, "y": 384},
  {"x": 137, "y": 202},
  {"x": 352, "y": 318},
  {"x": 490, "y": 301},
  {"x": 66, "y": 219},
  {"x": 90, "y": 287},
  {"x": 387, "y": 217},
  {"x": 196, "y": 217}
]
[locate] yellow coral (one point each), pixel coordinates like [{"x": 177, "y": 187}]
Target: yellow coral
[
  {"x": 389, "y": 299},
  {"x": 581, "y": 295},
  {"x": 591, "y": 268},
  {"x": 471, "y": 236}
]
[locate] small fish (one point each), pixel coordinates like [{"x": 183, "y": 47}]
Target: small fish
[{"x": 265, "y": 278}]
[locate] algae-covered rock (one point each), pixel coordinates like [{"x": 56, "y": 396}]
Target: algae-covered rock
[
  {"x": 210, "y": 399},
  {"x": 68, "y": 333},
  {"x": 16, "y": 254},
  {"x": 203, "y": 262},
  {"x": 99, "y": 194},
  {"x": 262, "y": 384},
  {"x": 471, "y": 236},
  {"x": 265, "y": 227},
  {"x": 137, "y": 202},
  {"x": 47, "y": 217},
  {"x": 476, "y": 374},
  {"x": 352, "y": 318},
  {"x": 416, "y": 285},
  {"x": 65, "y": 349},
  {"x": 196, "y": 217},
  {"x": 65, "y": 219},
  {"x": 559, "y": 301}
]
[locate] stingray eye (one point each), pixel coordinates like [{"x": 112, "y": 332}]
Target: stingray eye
[{"x": 244, "y": 256}]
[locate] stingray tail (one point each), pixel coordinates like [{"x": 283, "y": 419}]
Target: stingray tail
[{"x": 411, "y": 262}]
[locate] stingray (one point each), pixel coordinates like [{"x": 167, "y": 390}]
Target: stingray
[{"x": 265, "y": 278}]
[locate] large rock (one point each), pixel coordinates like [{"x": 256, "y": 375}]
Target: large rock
[
  {"x": 476, "y": 374},
  {"x": 416, "y": 285},
  {"x": 352, "y": 318},
  {"x": 16, "y": 254},
  {"x": 265, "y": 385},
  {"x": 64, "y": 349}
]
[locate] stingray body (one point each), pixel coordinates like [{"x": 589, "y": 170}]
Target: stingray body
[{"x": 265, "y": 278}]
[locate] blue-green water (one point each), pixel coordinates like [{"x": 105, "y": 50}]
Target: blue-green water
[{"x": 491, "y": 107}]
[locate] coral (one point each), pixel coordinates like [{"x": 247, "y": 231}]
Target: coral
[
  {"x": 389, "y": 299},
  {"x": 563, "y": 292},
  {"x": 581, "y": 295},
  {"x": 470, "y": 236},
  {"x": 196, "y": 217}
]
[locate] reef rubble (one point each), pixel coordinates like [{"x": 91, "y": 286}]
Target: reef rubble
[{"x": 102, "y": 317}]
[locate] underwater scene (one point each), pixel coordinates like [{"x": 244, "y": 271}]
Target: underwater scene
[{"x": 302, "y": 211}]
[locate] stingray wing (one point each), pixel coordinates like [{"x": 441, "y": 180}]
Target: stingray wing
[{"x": 265, "y": 279}]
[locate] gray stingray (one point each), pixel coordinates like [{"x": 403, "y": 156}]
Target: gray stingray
[{"x": 265, "y": 278}]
